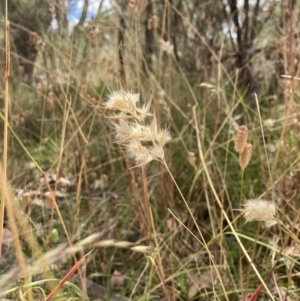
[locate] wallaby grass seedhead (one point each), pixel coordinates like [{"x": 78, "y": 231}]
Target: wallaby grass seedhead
[
  {"x": 241, "y": 139},
  {"x": 162, "y": 137},
  {"x": 139, "y": 153},
  {"x": 260, "y": 210},
  {"x": 245, "y": 156},
  {"x": 142, "y": 142},
  {"x": 124, "y": 102}
]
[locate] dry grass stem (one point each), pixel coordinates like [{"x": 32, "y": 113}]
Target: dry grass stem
[
  {"x": 130, "y": 8},
  {"x": 136, "y": 7},
  {"x": 260, "y": 210},
  {"x": 141, "y": 5},
  {"x": 149, "y": 24}
]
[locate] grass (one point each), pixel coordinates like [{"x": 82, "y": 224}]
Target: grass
[{"x": 153, "y": 226}]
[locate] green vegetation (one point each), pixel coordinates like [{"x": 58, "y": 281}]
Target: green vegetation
[{"x": 150, "y": 153}]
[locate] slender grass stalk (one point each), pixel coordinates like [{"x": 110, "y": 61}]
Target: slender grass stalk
[
  {"x": 198, "y": 229},
  {"x": 9, "y": 199},
  {"x": 152, "y": 229},
  {"x": 6, "y": 195},
  {"x": 265, "y": 148},
  {"x": 224, "y": 212},
  {"x": 66, "y": 277},
  {"x": 5, "y": 134}
]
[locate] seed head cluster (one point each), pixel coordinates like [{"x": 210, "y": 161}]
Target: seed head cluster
[
  {"x": 245, "y": 156},
  {"x": 242, "y": 147},
  {"x": 241, "y": 139},
  {"x": 143, "y": 142},
  {"x": 260, "y": 210}
]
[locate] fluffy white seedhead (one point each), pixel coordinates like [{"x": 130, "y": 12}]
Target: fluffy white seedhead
[
  {"x": 126, "y": 132},
  {"x": 166, "y": 46},
  {"x": 143, "y": 112},
  {"x": 157, "y": 152},
  {"x": 163, "y": 136},
  {"x": 142, "y": 142},
  {"x": 139, "y": 153},
  {"x": 260, "y": 210},
  {"x": 123, "y": 101}
]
